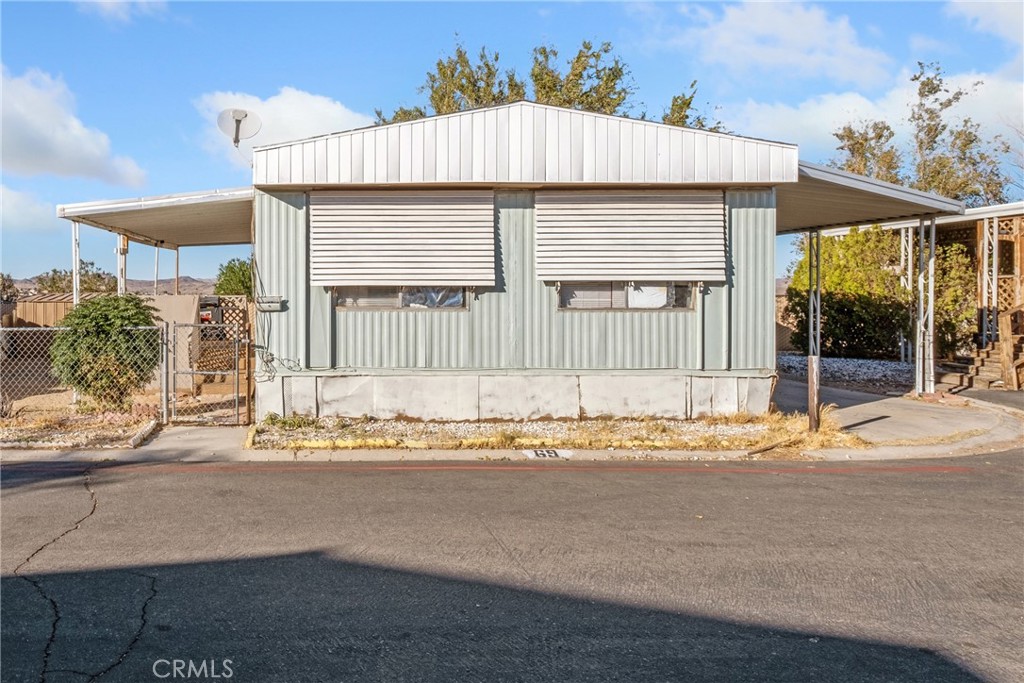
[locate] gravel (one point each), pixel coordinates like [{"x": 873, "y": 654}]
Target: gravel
[{"x": 861, "y": 373}]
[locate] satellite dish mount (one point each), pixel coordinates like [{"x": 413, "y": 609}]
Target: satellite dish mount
[{"x": 238, "y": 124}]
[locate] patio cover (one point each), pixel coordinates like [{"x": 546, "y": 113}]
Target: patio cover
[
  {"x": 194, "y": 219},
  {"x": 829, "y": 198},
  {"x": 822, "y": 198}
]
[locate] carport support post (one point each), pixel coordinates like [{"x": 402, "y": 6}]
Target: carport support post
[
  {"x": 156, "y": 267},
  {"x": 813, "y": 328},
  {"x": 122, "y": 264},
  {"x": 76, "y": 284},
  {"x": 176, "y": 272},
  {"x": 76, "y": 275},
  {"x": 924, "y": 358},
  {"x": 907, "y": 282}
]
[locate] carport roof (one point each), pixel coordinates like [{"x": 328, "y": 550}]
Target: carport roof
[
  {"x": 826, "y": 197},
  {"x": 192, "y": 219},
  {"x": 821, "y": 198}
]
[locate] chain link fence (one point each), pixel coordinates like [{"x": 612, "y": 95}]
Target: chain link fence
[{"x": 53, "y": 370}]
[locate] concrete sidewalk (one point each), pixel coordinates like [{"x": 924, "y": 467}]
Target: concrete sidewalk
[{"x": 896, "y": 428}]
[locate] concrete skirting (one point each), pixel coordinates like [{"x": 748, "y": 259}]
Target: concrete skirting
[{"x": 512, "y": 397}]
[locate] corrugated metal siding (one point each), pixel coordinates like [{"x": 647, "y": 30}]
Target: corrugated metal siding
[
  {"x": 525, "y": 142},
  {"x": 616, "y": 236},
  {"x": 517, "y": 324},
  {"x": 402, "y": 238},
  {"x": 752, "y": 249},
  {"x": 475, "y": 338},
  {"x": 280, "y": 253},
  {"x": 594, "y": 340}
]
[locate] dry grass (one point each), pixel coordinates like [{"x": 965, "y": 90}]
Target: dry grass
[
  {"x": 780, "y": 435},
  {"x": 74, "y": 430}
]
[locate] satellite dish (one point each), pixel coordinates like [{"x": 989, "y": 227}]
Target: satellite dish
[{"x": 238, "y": 124}]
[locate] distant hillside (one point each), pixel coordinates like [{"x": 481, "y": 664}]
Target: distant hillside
[{"x": 186, "y": 285}]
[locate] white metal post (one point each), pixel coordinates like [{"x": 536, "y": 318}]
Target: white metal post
[
  {"x": 929, "y": 350},
  {"x": 76, "y": 274},
  {"x": 813, "y": 328},
  {"x": 919, "y": 333},
  {"x": 122, "y": 264},
  {"x": 907, "y": 282},
  {"x": 156, "y": 267},
  {"x": 994, "y": 275},
  {"x": 176, "y": 272}
]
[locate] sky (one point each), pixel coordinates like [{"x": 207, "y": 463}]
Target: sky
[{"x": 111, "y": 100}]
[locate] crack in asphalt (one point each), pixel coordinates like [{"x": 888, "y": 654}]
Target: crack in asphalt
[
  {"x": 54, "y": 608},
  {"x": 508, "y": 551},
  {"x": 143, "y": 620}
]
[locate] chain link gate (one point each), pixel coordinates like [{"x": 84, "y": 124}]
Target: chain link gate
[{"x": 210, "y": 374}]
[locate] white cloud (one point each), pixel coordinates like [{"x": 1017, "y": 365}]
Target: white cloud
[
  {"x": 122, "y": 11},
  {"x": 794, "y": 39},
  {"x": 921, "y": 45},
  {"x": 291, "y": 114},
  {"x": 1004, "y": 19},
  {"x": 810, "y": 123},
  {"x": 41, "y": 134},
  {"x": 22, "y": 212}
]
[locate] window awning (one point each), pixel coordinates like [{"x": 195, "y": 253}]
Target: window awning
[
  {"x": 829, "y": 198},
  {"x": 194, "y": 219}
]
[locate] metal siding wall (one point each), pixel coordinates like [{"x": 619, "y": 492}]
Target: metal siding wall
[
  {"x": 594, "y": 340},
  {"x": 752, "y": 246},
  {"x": 281, "y": 268},
  {"x": 517, "y": 325},
  {"x": 525, "y": 142},
  {"x": 402, "y": 238},
  {"x": 478, "y": 338},
  {"x": 627, "y": 236}
]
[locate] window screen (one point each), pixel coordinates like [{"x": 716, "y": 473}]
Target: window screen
[{"x": 625, "y": 295}]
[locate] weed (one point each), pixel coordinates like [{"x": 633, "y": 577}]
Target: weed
[{"x": 296, "y": 421}]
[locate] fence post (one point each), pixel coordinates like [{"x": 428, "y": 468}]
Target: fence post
[{"x": 165, "y": 348}]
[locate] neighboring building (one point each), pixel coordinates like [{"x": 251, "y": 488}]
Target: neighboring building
[
  {"x": 993, "y": 237},
  {"x": 516, "y": 262}
]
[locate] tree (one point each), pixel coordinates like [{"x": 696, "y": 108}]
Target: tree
[
  {"x": 590, "y": 83},
  {"x": 948, "y": 158},
  {"x": 91, "y": 279},
  {"x": 457, "y": 84},
  {"x": 864, "y": 305},
  {"x": 102, "y": 352},
  {"x": 864, "y": 308},
  {"x": 594, "y": 79},
  {"x": 870, "y": 151},
  {"x": 8, "y": 292},
  {"x": 681, "y": 113},
  {"x": 235, "y": 278},
  {"x": 955, "y": 162}
]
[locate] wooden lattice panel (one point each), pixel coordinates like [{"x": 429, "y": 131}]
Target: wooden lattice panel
[
  {"x": 1007, "y": 292},
  {"x": 1009, "y": 226},
  {"x": 235, "y": 312}
]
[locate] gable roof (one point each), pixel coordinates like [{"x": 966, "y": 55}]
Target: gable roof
[{"x": 524, "y": 144}]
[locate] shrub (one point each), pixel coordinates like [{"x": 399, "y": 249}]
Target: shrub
[
  {"x": 852, "y": 325},
  {"x": 101, "y": 355}
]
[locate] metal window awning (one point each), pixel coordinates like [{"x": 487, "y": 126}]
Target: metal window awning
[
  {"x": 829, "y": 198},
  {"x": 194, "y": 219}
]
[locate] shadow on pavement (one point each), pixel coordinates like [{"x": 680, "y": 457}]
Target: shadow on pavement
[
  {"x": 312, "y": 617},
  {"x": 791, "y": 396}
]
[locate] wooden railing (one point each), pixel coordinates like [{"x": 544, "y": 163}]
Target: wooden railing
[{"x": 1011, "y": 330}]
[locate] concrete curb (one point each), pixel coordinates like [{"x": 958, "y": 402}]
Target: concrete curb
[{"x": 143, "y": 434}]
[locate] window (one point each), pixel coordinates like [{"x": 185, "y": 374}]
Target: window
[
  {"x": 625, "y": 295},
  {"x": 400, "y": 297}
]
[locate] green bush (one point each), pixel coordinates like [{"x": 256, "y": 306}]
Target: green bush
[
  {"x": 101, "y": 355},
  {"x": 852, "y": 325}
]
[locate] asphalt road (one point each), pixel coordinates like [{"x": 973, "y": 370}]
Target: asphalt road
[{"x": 893, "y": 571}]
